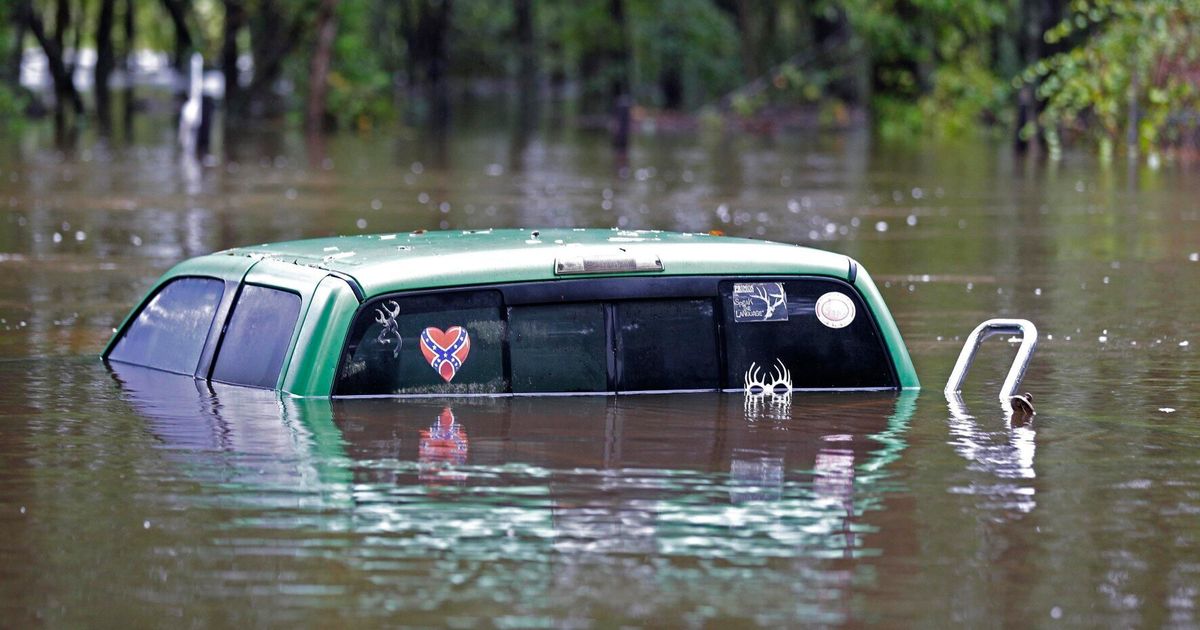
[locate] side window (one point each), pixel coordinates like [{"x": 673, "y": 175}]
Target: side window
[
  {"x": 558, "y": 348},
  {"x": 666, "y": 345},
  {"x": 449, "y": 343},
  {"x": 257, "y": 338},
  {"x": 819, "y": 331},
  {"x": 170, "y": 331}
]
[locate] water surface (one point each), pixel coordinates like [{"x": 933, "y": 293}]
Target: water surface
[{"x": 130, "y": 497}]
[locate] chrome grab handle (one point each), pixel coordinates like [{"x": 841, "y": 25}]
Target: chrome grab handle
[{"x": 990, "y": 328}]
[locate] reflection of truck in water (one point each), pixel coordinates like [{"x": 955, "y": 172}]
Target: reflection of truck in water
[{"x": 590, "y": 474}]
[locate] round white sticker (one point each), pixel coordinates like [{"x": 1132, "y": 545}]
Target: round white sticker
[{"x": 835, "y": 310}]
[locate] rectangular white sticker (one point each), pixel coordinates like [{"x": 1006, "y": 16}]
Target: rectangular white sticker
[{"x": 759, "y": 302}]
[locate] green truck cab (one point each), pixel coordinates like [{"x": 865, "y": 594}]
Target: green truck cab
[{"x": 514, "y": 312}]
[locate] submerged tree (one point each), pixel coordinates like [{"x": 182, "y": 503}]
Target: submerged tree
[
  {"x": 66, "y": 97},
  {"x": 425, "y": 28},
  {"x": 1135, "y": 74},
  {"x": 318, "y": 77},
  {"x": 105, "y": 59}
]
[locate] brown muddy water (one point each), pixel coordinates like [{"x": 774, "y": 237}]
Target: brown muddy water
[{"x": 131, "y": 497}]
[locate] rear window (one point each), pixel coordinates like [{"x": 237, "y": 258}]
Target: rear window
[
  {"x": 767, "y": 333},
  {"x": 840, "y": 349},
  {"x": 666, "y": 345},
  {"x": 170, "y": 331},
  {"x": 449, "y": 343},
  {"x": 558, "y": 348},
  {"x": 257, "y": 338}
]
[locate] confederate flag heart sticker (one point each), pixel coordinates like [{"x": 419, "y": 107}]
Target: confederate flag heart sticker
[{"x": 446, "y": 351}]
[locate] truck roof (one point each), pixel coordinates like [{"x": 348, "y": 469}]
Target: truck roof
[{"x": 383, "y": 263}]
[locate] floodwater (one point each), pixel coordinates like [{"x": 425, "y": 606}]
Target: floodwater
[{"x": 131, "y": 497}]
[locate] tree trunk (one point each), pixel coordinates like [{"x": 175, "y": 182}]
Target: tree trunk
[
  {"x": 670, "y": 81},
  {"x": 18, "y": 50},
  {"x": 318, "y": 76},
  {"x": 177, "y": 11},
  {"x": 1134, "y": 114},
  {"x": 437, "y": 29},
  {"x": 235, "y": 19},
  {"x": 62, "y": 17},
  {"x": 527, "y": 66},
  {"x": 619, "y": 85},
  {"x": 128, "y": 51},
  {"x": 745, "y": 25},
  {"x": 272, "y": 40},
  {"x": 1033, "y": 22},
  {"x": 64, "y": 87},
  {"x": 832, "y": 41},
  {"x": 105, "y": 59},
  {"x": 77, "y": 40}
]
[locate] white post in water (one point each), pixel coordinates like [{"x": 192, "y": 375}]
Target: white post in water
[
  {"x": 990, "y": 328},
  {"x": 190, "y": 117}
]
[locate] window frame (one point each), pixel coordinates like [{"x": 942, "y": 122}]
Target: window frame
[
  {"x": 607, "y": 291},
  {"x": 228, "y": 318},
  {"x": 229, "y": 289}
]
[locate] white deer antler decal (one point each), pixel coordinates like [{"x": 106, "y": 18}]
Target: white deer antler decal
[
  {"x": 773, "y": 388},
  {"x": 777, "y": 381},
  {"x": 771, "y": 301},
  {"x": 386, "y": 317}
]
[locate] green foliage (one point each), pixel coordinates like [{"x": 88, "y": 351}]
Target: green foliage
[
  {"x": 1119, "y": 68},
  {"x": 694, "y": 39},
  {"x": 12, "y": 104},
  {"x": 935, "y": 63},
  {"x": 360, "y": 88},
  {"x": 1137, "y": 63},
  {"x": 481, "y": 41},
  {"x": 966, "y": 95}
]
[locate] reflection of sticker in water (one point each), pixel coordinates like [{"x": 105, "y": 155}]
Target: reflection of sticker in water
[
  {"x": 768, "y": 394},
  {"x": 442, "y": 446},
  {"x": 446, "y": 351},
  {"x": 759, "y": 302},
  {"x": 835, "y": 310},
  {"x": 444, "y": 440},
  {"x": 386, "y": 317}
]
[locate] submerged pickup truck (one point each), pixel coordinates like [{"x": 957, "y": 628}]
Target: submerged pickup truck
[{"x": 515, "y": 312}]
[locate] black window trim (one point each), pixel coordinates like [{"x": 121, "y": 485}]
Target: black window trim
[
  {"x": 203, "y": 364},
  {"x": 228, "y": 316},
  {"x": 608, "y": 290}
]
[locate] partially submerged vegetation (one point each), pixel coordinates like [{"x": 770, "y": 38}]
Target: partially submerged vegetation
[{"x": 1116, "y": 73}]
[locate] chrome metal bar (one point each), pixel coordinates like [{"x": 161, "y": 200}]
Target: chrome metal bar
[{"x": 990, "y": 328}]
